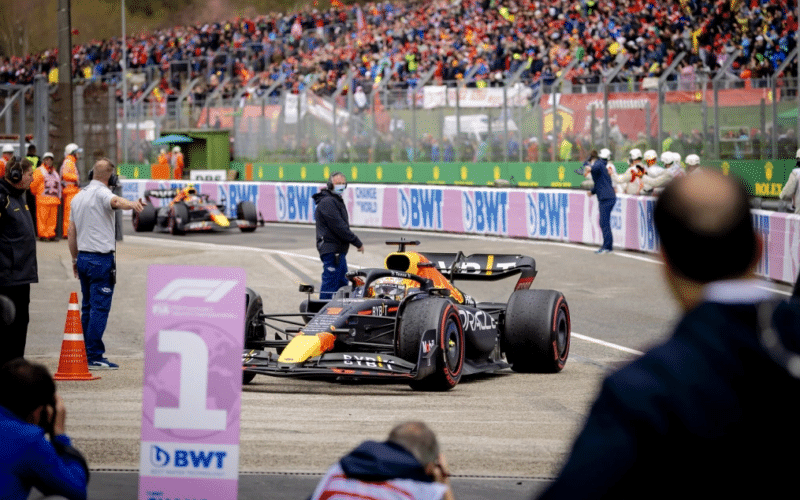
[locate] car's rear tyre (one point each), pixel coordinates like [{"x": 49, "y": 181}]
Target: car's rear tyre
[
  {"x": 537, "y": 331},
  {"x": 439, "y": 315},
  {"x": 178, "y": 217},
  {"x": 145, "y": 220},
  {"x": 246, "y": 211}
]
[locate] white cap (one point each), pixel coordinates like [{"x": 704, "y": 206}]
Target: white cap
[
  {"x": 636, "y": 154},
  {"x": 650, "y": 155},
  {"x": 47, "y": 155},
  {"x": 72, "y": 148},
  {"x": 666, "y": 157},
  {"x": 692, "y": 160},
  {"x": 797, "y": 155},
  {"x": 676, "y": 158},
  {"x": 8, "y": 148},
  {"x": 176, "y": 149},
  {"x": 605, "y": 154}
]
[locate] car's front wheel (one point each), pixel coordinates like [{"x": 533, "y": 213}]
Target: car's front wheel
[
  {"x": 441, "y": 316},
  {"x": 145, "y": 220},
  {"x": 536, "y": 334},
  {"x": 178, "y": 217}
]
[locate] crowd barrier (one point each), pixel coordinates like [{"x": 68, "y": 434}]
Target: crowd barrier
[{"x": 545, "y": 214}]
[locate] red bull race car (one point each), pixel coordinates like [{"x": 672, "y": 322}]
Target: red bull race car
[
  {"x": 190, "y": 211},
  {"x": 409, "y": 323}
]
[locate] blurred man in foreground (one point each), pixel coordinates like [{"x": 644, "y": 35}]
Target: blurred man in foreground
[
  {"x": 35, "y": 451},
  {"x": 712, "y": 412},
  {"x": 408, "y": 466}
]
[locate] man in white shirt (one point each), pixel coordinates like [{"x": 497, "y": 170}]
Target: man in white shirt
[
  {"x": 92, "y": 244},
  {"x": 791, "y": 190}
]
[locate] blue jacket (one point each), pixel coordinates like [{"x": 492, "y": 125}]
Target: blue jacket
[
  {"x": 373, "y": 461},
  {"x": 28, "y": 459},
  {"x": 603, "y": 187}
]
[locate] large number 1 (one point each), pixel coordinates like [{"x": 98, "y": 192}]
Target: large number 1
[{"x": 191, "y": 412}]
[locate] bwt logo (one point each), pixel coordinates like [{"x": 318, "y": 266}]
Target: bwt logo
[
  {"x": 648, "y": 237},
  {"x": 547, "y": 215},
  {"x": 238, "y": 192},
  {"x": 761, "y": 226},
  {"x": 485, "y": 211},
  {"x": 210, "y": 290},
  {"x": 295, "y": 203},
  {"x": 159, "y": 457},
  {"x": 420, "y": 208}
]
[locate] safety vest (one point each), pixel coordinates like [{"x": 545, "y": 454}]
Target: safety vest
[
  {"x": 46, "y": 183},
  {"x": 69, "y": 175}
]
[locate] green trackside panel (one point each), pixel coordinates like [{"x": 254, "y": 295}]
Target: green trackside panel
[
  {"x": 763, "y": 178},
  {"x": 134, "y": 170}
]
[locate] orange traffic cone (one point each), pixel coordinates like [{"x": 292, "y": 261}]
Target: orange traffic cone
[{"x": 73, "y": 364}]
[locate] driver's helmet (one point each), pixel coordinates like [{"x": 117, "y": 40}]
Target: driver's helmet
[
  {"x": 392, "y": 288},
  {"x": 190, "y": 193}
]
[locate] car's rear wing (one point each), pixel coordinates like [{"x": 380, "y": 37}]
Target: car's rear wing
[
  {"x": 161, "y": 193},
  {"x": 484, "y": 267}
]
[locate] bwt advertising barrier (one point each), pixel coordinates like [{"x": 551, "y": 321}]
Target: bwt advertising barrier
[{"x": 547, "y": 214}]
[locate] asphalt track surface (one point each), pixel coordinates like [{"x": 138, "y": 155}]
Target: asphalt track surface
[{"x": 504, "y": 435}]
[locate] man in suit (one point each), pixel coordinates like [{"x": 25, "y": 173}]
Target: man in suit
[{"x": 712, "y": 412}]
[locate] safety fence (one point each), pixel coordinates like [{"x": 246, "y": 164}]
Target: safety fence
[{"x": 552, "y": 214}]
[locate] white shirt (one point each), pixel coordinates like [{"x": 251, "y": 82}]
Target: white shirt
[
  {"x": 336, "y": 486},
  {"x": 746, "y": 291},
  {"x": 94, "y": 218}
]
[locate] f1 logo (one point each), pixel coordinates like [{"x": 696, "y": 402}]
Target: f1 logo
[{"x": 210, "y": 290}]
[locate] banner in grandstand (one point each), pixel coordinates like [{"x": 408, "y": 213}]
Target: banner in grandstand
[
  {"x": 550, "y": 214},
  {"x": 440, "y": 96},
  {"x": 627, "y": 113}
]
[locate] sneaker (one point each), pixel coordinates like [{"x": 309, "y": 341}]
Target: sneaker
[
  {"x": 102, "y": 364},
  {"x": 602, "y": 250}
]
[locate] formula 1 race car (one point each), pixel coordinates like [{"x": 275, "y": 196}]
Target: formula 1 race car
[
  {"x": 191, "y": 211},
  {"x": 408, "y": 322}
]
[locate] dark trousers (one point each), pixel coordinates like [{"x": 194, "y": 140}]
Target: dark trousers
[
  {"x": 605, "y": 222},
  {"x": 97, "y": 289},
  {"x": 15, "y": 335},
  {"x": 334, "y": 268}
]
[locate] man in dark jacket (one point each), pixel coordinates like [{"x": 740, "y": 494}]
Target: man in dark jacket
[
  {"x": 18, "y": 267},
  {"x": 606, "y": 196},
  {"x": 713, "y": 411},
  {"x": 334, "y": 236},
  {"x": 407, "y": 466},
  {"x": 35, "y": 451}
]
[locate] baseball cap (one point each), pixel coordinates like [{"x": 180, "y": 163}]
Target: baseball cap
[
  {"x": 8, "y": 148},
  {"x": 47, "y": 155}
]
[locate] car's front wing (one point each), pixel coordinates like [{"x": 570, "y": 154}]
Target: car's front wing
[{"x": 338, "y": 364}]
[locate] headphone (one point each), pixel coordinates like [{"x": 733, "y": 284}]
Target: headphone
[
  {"x": 330, "y": 179},
  {"x": 15, "y": 170},
  {"x": 113, "y": 181}
]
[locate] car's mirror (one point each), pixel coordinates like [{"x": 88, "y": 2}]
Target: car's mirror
[{"x": 306, "y": 288}]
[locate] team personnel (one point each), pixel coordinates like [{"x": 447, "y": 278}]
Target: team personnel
[
  {"x": 176, "y": 162},
  {"x": 791, "y": 190},
  {"x": 606, "y": 197},
  {"x": 36, "y": 452},
  {"x": 46, "y": 186},
  {"x": 692, "y": 163},
  {"x": 70, "y": 179},
  {"x": 8, "y": 153},
  {"x": 334, "y": 236},
  {"x": 657, "y": 176},
  {"x": 33, "y": 157},
  {"x": 712, "y": 412},
  {"x": 92, "y": 244},
  {"x": 631, "y": 180},
  {"x": 408, "y": 466},
  {"x": 18, "y": 267}
]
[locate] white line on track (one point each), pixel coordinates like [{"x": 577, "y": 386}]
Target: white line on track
[{"x": 606, "y": 344}]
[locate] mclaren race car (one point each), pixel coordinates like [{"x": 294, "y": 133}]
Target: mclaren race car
[
  {"x": 190, "y": 211},
  {"x": 410, "y": 323}
]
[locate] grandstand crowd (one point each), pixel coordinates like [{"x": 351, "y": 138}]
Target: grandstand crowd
[{"x": 316, "y": 47}]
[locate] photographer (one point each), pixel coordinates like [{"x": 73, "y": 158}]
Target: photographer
[{"x": 29, "y": 409}]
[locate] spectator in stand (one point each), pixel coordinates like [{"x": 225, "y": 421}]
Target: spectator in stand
[{"x": 407, "y": 466}]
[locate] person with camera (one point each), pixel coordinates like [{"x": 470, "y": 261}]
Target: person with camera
[
  {"x": 92, "y": 244},
  {"x": 18, "y": 266},
  {"x": 36, "y": 452},
  {"x": 334, "y": 236},
  {"x": 407, "y": 466}
]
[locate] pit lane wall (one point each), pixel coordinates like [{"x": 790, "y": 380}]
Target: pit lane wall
[{"x": 548, "y": 214}]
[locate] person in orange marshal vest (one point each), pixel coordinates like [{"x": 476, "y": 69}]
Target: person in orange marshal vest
[
  {"x": 8, "y": 153},
  {"x": 176, "y": 162},
  {"x": 46, "y": 186},
  {"x": 70, "y": 179}
]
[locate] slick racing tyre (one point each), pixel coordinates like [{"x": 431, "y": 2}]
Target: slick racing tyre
[
  {"x": 144, "y": 221},
  {"x": 246, "y": 211},
  {"x": 440, "y": 315},
  {"x": 537, "y": 330},
  {"x": 178, "y": 217},
  {"x": 253, "y": 327}
]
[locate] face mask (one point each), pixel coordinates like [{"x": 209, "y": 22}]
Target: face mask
[{"x": 339, "y": 188}]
